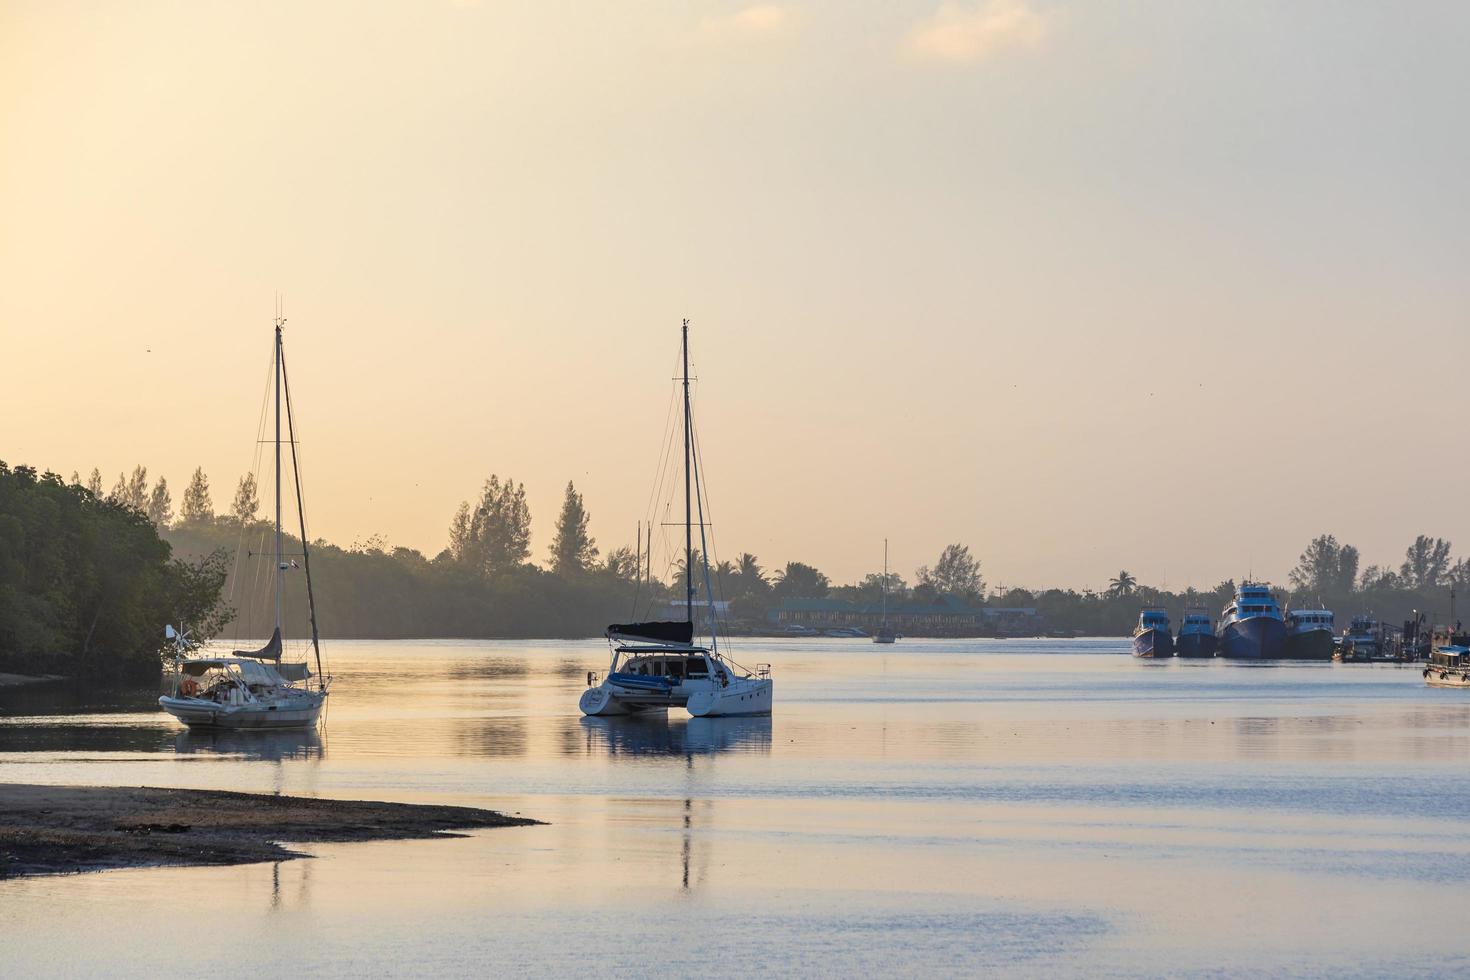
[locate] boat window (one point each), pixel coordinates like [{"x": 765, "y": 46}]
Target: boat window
[
  {"x": 676, "y": 668},
  {"x": 697, "y": 668}
]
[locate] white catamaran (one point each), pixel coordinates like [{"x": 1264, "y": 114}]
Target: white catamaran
[
  {"x": 657, "y": 665},
  {"x": 255, "y": 688}
]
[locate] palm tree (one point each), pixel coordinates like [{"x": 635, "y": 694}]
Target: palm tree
[{"x": 1123, "y": 584}]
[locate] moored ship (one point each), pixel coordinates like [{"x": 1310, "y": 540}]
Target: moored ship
[
  {"x": 1151, "y": 638},
  {"x": 1363, "y": 640},
  {"x": 1309, "y": 634},
  {"x": 1196, "y": 635},
  {"x": 1251, "y": 627}
]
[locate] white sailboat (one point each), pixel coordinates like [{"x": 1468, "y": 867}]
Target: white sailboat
[
  {"x": 255, "y": 689},
  {"x": 885, "y": 633},
  {"x": 657, "y": 665}
]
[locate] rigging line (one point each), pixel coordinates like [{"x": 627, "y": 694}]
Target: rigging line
[
  {"x": 701, "y": 492},
  {"x": 255, "y": 456},
  {"x": 665, "y": 443}
]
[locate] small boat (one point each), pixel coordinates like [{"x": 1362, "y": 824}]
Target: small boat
[
  {"x": 1251, "y": 627},
  {"x": 885, "y": 633},
  {"x": 255, "y": 689},
  {"x": 1151, "y": 638},
  {"x": 1449, "y": 666},
  {"x": 657, "y": 665},
  {"x": 1309, "y": 634},
  {"x": 1362, "y": 641},
  {"x": 1196, "y": 635},
  {"x": 845, "y": 632}
]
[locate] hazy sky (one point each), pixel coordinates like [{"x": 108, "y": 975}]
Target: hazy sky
[{"x": 1169, "y": 286}]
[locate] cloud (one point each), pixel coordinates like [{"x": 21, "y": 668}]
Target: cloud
[
  {"x": 961, "y": 33},
  {"x": 756, "y": 21}
]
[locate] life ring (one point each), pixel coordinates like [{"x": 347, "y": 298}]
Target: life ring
[{"x": 189, "y": 687}]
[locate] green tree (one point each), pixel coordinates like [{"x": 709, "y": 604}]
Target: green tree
[
  {"x": 495, "y": 534},
  {"x": 197, "y": 507},
  {"x": 94, "y": 483},
  {"x": 247, "y": 500},
  {"x": 1426, "y": 562},
  {"x": 1122, "y": 584},
  {"x": 132, "y": 492},
  {"x": 572, "y": 549},
  {"x": 161, "y": 504},
  {"x": 1326, "y": 567},
  {"x": 956, "y": 573},
  {"x": 800, "y": 581}
]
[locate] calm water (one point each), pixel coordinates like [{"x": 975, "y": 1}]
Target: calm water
[{"x": 1031, "y": 807}]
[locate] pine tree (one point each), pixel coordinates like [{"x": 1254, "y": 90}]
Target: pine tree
[
  {"x": 197, "y": 507},
  {"x": 495, "y": 534},
  {"x": 94, "y": 483},
  {"x": 572, "y": 550},
  {"x": 161, "y": 505},
  {"x": 247, "y": 500}
]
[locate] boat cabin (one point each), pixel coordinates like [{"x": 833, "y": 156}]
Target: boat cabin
[
  {"x": 1153, "y": 619},
  {"x": 1305, "y": 620},
  {"x": 675, "y": 665},
  {"x": 1456, "y": 658}
]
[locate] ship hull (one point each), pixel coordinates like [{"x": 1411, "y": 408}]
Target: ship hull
[
  {"x": 1309, "y": 645},
  {"x": 1257, "y": 638},
  {"x": 1196, "y": 645},
  {"x": 1153, "y": 644}
]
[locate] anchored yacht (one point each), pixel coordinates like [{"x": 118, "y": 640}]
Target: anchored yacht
[
  {"x": 255, "y": 688},
  {"x": 1251, "y": 627},
  {"x": 657, "y": 665}
]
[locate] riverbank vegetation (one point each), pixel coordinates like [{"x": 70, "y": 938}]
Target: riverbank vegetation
[
  {"x": 486, "y": 582},
  {"x": 87, "y": 584}
]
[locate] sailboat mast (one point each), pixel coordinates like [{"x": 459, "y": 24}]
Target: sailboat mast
[
  {"x": 280, "y": 579},
  {"x": 688, "y": 515},
  {"x": 885, "y": 581},
  {"x": 316, "y": 642}
]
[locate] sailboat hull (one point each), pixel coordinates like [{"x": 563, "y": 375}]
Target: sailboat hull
[{"x": 301, "y": 712}]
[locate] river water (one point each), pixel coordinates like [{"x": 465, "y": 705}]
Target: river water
[{"x": 1033, "y": 807}]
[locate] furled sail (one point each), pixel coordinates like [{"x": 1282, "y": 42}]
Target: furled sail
[
  {"x": 656, "y": 632},
  {"x": 271, "y": 651}
]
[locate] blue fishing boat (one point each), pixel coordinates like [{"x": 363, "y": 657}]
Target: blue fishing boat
[
  {"x": 1196, "y": 635},
  {"x": 1251, "y": 627},
  {"x": 1151, "y": 638}
]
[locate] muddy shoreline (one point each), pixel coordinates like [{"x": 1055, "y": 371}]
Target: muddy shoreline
[{"x": 47, "y": 830}]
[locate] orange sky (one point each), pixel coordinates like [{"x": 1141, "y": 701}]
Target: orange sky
[{"x": 1164, "y": 286}]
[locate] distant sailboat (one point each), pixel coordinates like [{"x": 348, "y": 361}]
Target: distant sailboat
[
  {"x": 657, "y": 665},
  {"x": 885, "y": 634},
  {"x": 254, "y": 688}
]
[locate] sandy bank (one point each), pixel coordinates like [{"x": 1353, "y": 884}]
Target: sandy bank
[{"x": 64, "y": 829}]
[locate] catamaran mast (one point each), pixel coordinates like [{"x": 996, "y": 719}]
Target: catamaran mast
[
  {"x": 688, "y": 515},
  {"x": 280, "y": 578}
]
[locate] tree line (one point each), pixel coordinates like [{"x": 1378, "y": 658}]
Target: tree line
[
  {"x": 485, "y": 583},
  {"x": 87, "y": 584}
]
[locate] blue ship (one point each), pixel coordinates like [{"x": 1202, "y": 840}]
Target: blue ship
[
  {"x": 1152, "y": 638},
  {"x": 1196, "y": 635},
  {"x": 1251, "y": 627}
]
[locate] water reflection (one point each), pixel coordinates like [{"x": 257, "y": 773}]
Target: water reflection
[
  {"x": 657, "y": 734},
  {"x": 254, "y": 746}
]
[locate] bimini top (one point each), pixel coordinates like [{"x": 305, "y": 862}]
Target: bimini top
[{"x": 677, "y": 633}]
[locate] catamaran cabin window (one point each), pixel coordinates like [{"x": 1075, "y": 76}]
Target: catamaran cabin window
[{"x": 697, "y": 668}]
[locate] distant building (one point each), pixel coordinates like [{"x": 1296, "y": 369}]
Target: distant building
[{"x": 946, "y": 616}]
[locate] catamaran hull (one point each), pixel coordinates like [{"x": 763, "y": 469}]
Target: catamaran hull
[
  {"x": 201, "y": 714},
  {"x": 1256, "y": 638},
  {"x": 1196, "y": 645},
  {"x": 752, "y": 697},
  {"x": 603, "y": 702}
]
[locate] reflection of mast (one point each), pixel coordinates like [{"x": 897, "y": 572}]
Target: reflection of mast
[{"x": 688, "y": 839}]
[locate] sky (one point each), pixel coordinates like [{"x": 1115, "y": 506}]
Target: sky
[{"x": 1170, "y": 287}]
